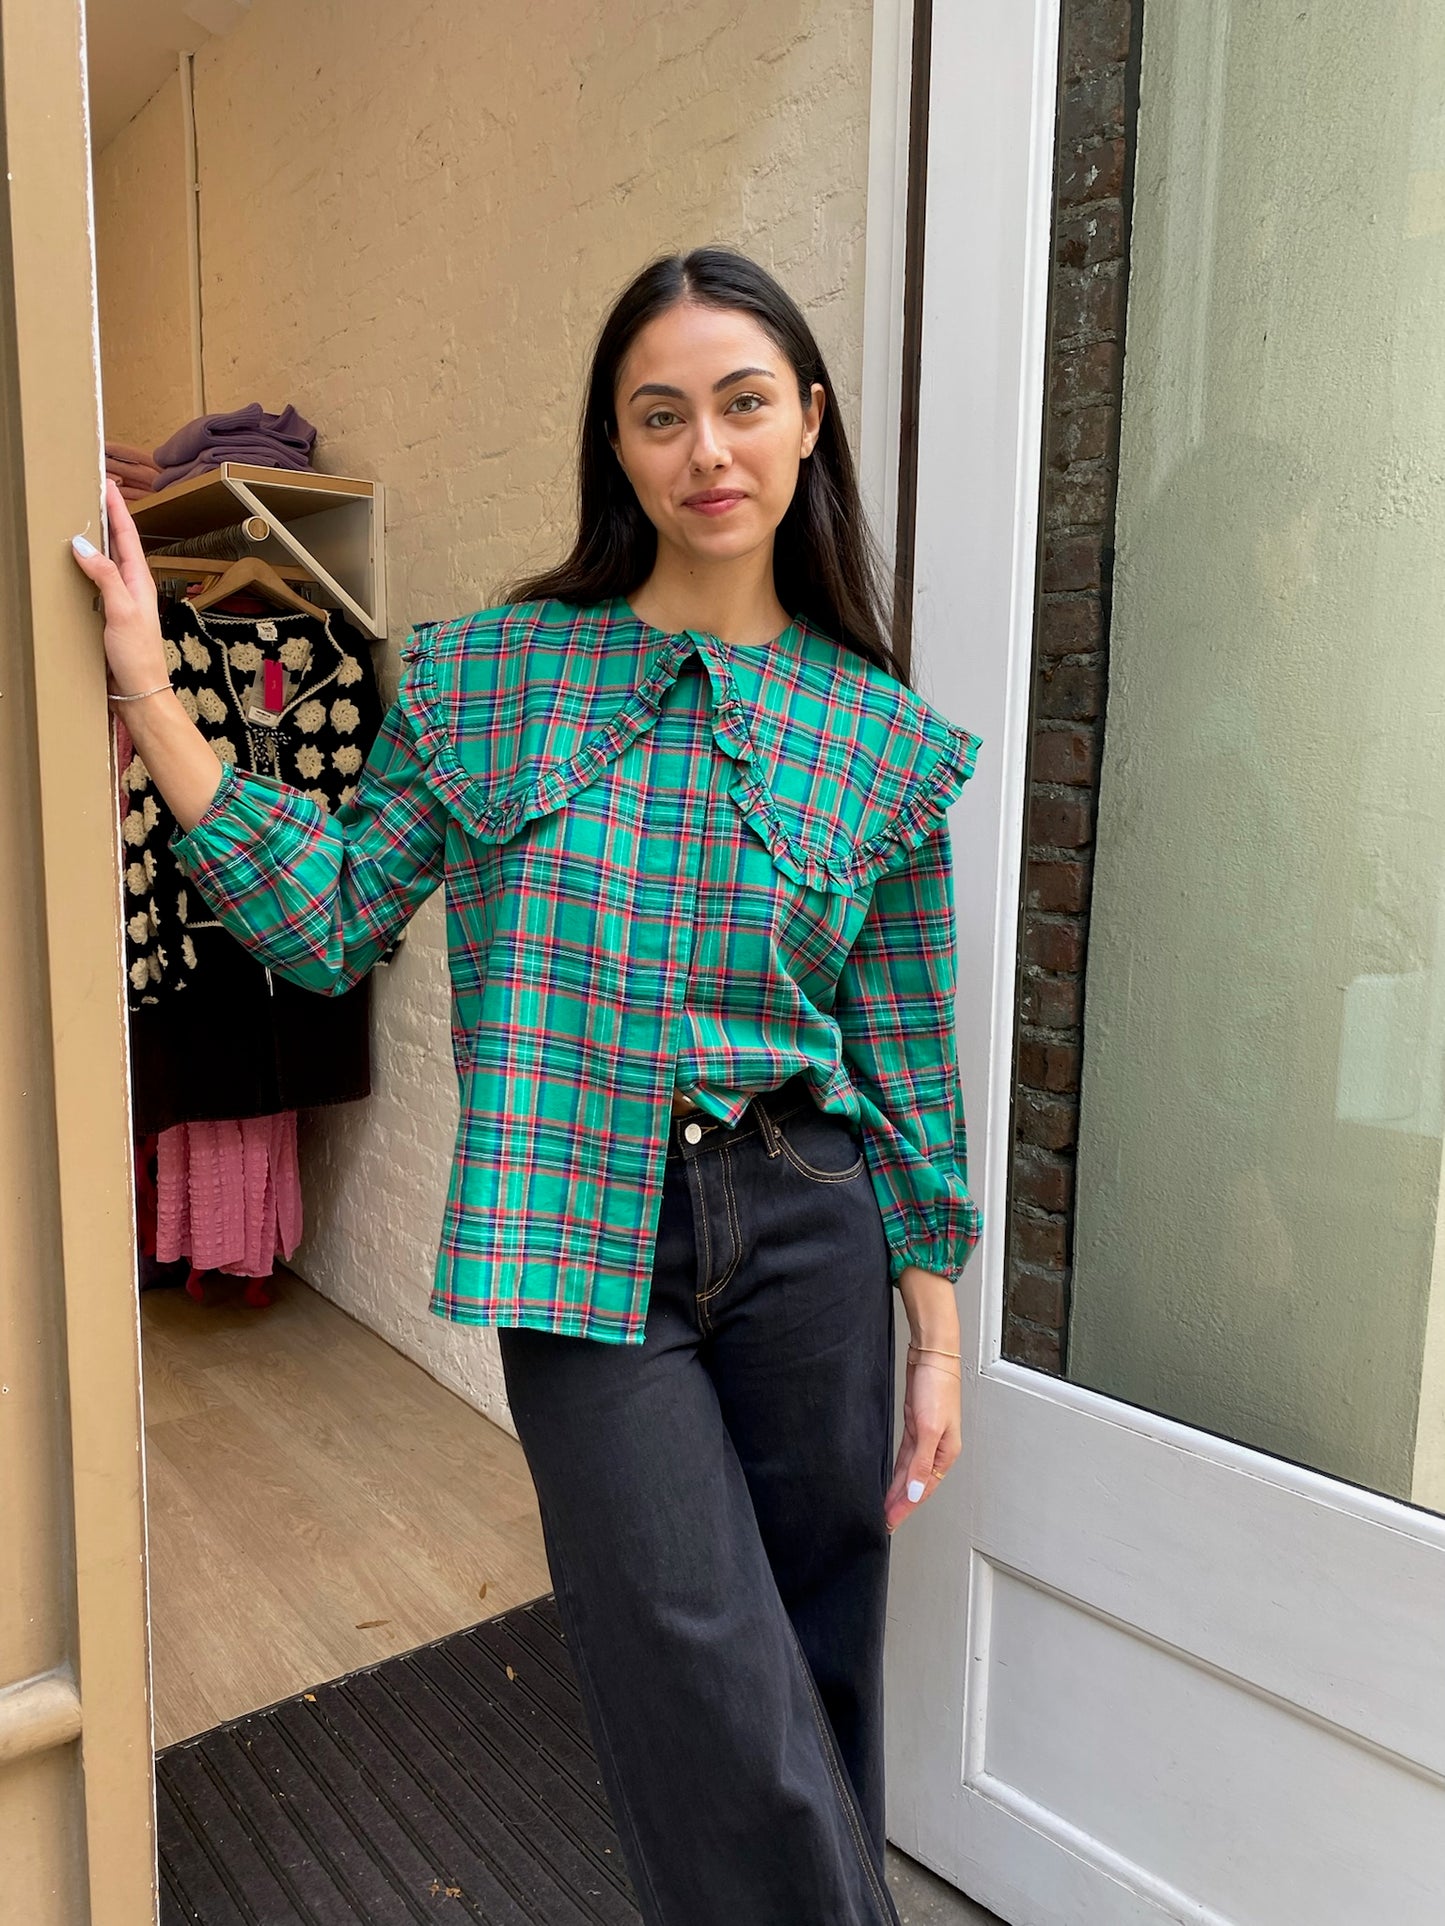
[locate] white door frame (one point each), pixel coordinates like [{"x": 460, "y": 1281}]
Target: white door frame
[
  {"x": 985, "y": 290},
  {"x": 1278, "y": 1754},
  {"x": 884, "y": 264}
]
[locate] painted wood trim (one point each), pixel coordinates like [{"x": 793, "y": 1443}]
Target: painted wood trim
[
  {"x": 37, "y": 1716},
  {"x": 884, "y": 259},
  {"x": 86, "y": 1287}
]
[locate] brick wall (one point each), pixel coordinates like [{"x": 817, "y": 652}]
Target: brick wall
[{"x": 1098, "y": 63}]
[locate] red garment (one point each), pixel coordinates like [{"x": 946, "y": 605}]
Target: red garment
[{"x": 228, "y": 1195}]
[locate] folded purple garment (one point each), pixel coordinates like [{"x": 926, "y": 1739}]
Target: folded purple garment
[
  {"x": 288, "y": 429},
  {"x": 253, "y": 448}
]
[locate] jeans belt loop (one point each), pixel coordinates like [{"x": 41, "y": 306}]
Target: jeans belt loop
[{"x": 766, "y": 1126}]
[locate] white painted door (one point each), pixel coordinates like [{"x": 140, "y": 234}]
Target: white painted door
[{"x": 1169, "y": 1644}]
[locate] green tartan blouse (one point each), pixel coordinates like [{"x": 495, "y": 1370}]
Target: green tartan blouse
[{"x": 669, "y": 863}]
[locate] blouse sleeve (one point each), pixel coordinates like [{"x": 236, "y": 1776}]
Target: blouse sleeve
[
  {"x": 319, "y": 896},
  {"x": 894, "y": 1007}
]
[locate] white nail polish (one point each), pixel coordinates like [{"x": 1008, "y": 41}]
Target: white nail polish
[
  {"x": 915, "y": 1490},
  {"x": 82, "y": 546}
]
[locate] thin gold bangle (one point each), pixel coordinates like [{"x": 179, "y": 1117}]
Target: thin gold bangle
[{"x": 935, "y": 1350}]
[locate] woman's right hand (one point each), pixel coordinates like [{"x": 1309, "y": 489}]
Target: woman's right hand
[
  {"x": 134, "y": 649},
  {"x": 180, "y": 761}
]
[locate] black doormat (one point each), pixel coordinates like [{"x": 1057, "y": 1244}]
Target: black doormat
[{"x": 453, "y": 1782}]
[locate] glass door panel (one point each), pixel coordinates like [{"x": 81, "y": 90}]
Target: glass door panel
[{"x": 1257, "y": 1233}]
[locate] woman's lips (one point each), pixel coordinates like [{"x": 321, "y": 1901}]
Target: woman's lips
[{"x": 717, "y": 505}]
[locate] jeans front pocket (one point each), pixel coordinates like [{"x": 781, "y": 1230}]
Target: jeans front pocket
[{"x": 826, "y": 1149}]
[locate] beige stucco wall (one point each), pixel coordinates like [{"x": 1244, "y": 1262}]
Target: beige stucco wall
[
  {"x": 411, "y": 222},
  {"x": 1259, "y": 1162},
  {"x": 142, "y": 276}
]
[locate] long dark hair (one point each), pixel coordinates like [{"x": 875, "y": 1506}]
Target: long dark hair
[{"x": 826, "y": 564}]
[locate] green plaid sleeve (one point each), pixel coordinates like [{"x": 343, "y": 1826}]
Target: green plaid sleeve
[
  {"x": 318, "y": 897},
  {"x": 894, "y": 1007}
]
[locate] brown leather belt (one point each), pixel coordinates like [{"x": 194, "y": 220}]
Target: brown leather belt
[{"x": 681, "y": 1104}]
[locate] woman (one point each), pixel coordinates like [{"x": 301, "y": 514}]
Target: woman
[{"x": 693, "y": 827}]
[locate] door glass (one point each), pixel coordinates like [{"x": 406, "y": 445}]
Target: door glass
[{"x": 1258, "y": 1238}]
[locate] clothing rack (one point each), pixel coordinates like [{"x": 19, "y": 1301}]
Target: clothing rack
[{"x": 210, "y": 554}]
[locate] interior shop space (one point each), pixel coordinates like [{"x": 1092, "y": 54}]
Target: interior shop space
[{"x": 339, "y": 380}]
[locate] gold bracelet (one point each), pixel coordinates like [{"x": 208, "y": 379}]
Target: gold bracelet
[
  {"x": 935, "y": 1350},
  {"x": 139, "y": 694}
]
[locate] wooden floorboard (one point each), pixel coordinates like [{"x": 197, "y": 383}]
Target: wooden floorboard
[{"x": 316, "y": 1503}]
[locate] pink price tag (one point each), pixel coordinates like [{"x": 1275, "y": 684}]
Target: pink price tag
[{"x": 271, "y": 688}]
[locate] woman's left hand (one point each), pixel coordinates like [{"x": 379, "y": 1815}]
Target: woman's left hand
[{"x": 933, "y": 1396}]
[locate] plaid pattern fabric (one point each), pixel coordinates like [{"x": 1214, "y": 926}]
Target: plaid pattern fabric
[{"x": 669, "y": 863}]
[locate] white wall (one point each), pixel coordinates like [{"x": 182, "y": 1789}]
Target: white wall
[
  {"x": 142, "y": 275},
  {"x": 412, "y": 220}
]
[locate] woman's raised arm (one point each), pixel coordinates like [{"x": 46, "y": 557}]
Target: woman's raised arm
[
  {"x": 316, "y": 897},
  {"x": 182, "y": 764}
]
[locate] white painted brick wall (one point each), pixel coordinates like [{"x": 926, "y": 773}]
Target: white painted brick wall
[{"x": 412, "y": 220}]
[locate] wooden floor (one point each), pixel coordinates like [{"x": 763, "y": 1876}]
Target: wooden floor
[{"x": 316, "y": 1503}]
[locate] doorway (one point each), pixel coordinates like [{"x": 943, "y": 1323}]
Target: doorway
[{"x": 227, "y": 270}]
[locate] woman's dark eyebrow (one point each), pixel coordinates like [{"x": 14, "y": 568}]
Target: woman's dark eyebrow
[
  {"x": 676, "y": 394},
  {"x": 741, "y": 374}
]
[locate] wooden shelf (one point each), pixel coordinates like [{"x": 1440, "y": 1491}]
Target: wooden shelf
[{"x": 341, "y": 543}]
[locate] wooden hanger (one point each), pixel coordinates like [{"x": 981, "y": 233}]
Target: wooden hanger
[
  {"x": 250, "y": 572},
  {"x": 168, "y": 567}
]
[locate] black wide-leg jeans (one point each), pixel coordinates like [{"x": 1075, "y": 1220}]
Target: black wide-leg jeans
[{"x": 712, "y": 1508}]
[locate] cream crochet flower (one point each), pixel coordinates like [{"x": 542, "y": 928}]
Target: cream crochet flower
[
  {"x": 347, "y": 758},
  {"x": 188, "y": 703},
  {"x": 139, "y": 927},
  {"x": 150, "y": 815},
  {"x": 224, "y": 748},
  {"x": 296, "y": 654},
  {"x": 135, "y": 879},
  {"x": 172, "y": 654},
  {"x": 210, "y": 705},
  {"x": 188, "y": 952},
  {"x": 140, "y": 973},
  {"x": 308, "y": 761},
  {"x": 182, "y": 907},
  {"x": 245, "y": 656},
  {"x": 348, "y": 794},
  {"x": 319, "y": 796},
  {"x": 195, "y": 652},
  {"x": 148, "y": 860},
  {"x": 136, "y": 774},
  {"x": 349, "y": 672},
  {"x": 310, "y": 716},
  {"x": 133, "y": 829},
  {"x": 344, "y": 716}
]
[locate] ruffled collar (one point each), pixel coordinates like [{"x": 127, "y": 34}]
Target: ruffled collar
[{"x": 938, "y": 756}]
